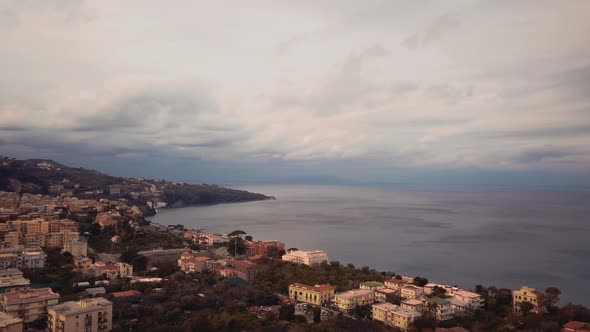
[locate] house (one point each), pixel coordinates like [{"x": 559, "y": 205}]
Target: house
[
  {"x": 395, "y": 284},
  {"x": 411, "y": 292},
  {"x": 527, "y": 294},
  {"x": 412, "y": 304},
  {"x": 261, "y": 247},
  {"x": 575, "y": 326},
  {"x": 189, "y": 263},
  {"x": 9, "y": 323},
  {"x": 19, "y": 257},
  {"x": 12, "y": 280},
  {"x": 440, "y": 308},
  {"x": 317, "y": 294},
  {"x": 394, "y": 315},
  {"x": 30, "y": 304},
  {"x": 372, "y": 285},
  {"x": 306, "y": 257},
  {"x": 84, "y": 315},
  {"x": 349, "y": 300},
  {"x": 244, "y": 269},
  {"x": 382, "y": 294}
]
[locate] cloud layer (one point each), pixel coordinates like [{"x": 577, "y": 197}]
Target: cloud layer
[{"x": 306, "y": 88}]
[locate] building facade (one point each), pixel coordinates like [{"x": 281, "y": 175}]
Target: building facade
[
  {"x": 317, "y": 294},
  {"x": 306, "y": 257},
  {"x": 89, "y": 315},
  {"x": 30, "y": 304},
  {"x": 349, "y": 300},
  {"x": 394, "y": 315},
  {"x": 10, "y": 324},
  {"x": 527, "y": 294}
]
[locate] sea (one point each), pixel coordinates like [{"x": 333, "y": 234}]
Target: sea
[{"x": 464, "y": 236}]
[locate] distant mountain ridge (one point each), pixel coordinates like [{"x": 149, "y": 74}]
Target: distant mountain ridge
[{"x": 42, "y": 176}]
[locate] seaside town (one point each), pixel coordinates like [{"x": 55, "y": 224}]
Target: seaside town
[{"x": 93, "y": 262}]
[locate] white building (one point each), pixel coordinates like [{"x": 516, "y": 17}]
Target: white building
[
  {"x": 93, "y": 315},
  {"x": 19, "y": 257},
  {"x": 78, "y": 248},
  {"x": 306, "y": 257}
]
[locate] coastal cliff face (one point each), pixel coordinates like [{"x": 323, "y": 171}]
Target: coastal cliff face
[{"x": 46, "y": 177}]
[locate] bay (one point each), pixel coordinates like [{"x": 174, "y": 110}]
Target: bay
[{"x": 459, "y": 236}]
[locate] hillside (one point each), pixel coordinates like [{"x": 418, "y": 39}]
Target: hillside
[{"x": 39, "y": 176}]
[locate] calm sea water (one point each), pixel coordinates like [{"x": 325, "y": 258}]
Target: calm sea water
[{"x": 505, "y": 238}]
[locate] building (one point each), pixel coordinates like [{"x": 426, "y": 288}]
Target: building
[
  {"x": 82, "y": 263},
  {"x": 349, "y": 300},
  {"x": 306, "y": 257},
  {"x": 261, "y": 247},
  {"x": 317, "y": 294},
  {"x": 527, "y": 294},
  {"x": 189, "y": 263},
  {"x": 129, "y": 295},
  {"x": 411, "y": 292},
  {"x": 382, "y": 294},
  {"x": 19, "y": 257},
  {"x": 440, "y": 308},
  {"x": 394, "y": 315},
  {"x": 575, "y": 326},
  {"x": 30, "y": 304},
  {"x": 412, "y": 304},
  {"x": 245, "y": 270},
  {"x": 77, "y": 248},
  {"x": 89, "y": 315},
  {"x": 111, "y": 270},
  {"x": 395, "y": 284},
  {"x": 371, "y": 285},
  {"x": 10, "y": 324},
  {"x": 12, "y": 280},
  {"x": 125, "y": 270}
]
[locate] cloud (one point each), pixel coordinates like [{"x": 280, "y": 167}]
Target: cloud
[{"x": 433, "y": 32}]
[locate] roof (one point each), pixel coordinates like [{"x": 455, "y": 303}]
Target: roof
[
  {"x": 386, "y": 306},
  {"x": 354, "y": 293},
  {"x": 7, "y": 320},
  {"x": 438, "y": 301},
  {"x": 30, "y": 295},
  {"x": 315, "y": 288},
  {"x": 242, "y": 265},
  {"x": 412, "y": 302},
  {"x": 372, "y": 284},
  {"x": 79, "y": 307},
  {"x": 575, "y": 325},
  {"x": 396, "y": 281},
  {"x": 387, "y": 291},
  {"x": 129, "y": 293}
]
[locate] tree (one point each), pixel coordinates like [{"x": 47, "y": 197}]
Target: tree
[
  {"x": 236, "y": 246},
  {"x": 287, "y": 312},
  {"x": 274, "y": 252},
  {"x": 393, "y": 298},
  {"x": 526, "y": 307},
  {"x": 317, "y": 314},
  {"x": 249, "y": 238},
  {"x": 551, "y": 298},
  {"x": 420, "y": 282},
  {"x": 439, "y": 292},
  {"x": 237, "y": 233},
  {"x": 362, "y": 311}
]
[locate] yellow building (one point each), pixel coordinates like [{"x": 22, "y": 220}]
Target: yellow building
[
  {"x": 351, "y": 299},
  {"x": 91, "y": 315},
  {"x": 527, "y": 294},
  {"x": 394, "y": 315},
  {"x": 318, "y": 294},
  {"x": 10, "y": 324},
  {"x": 412, "y": 292}
]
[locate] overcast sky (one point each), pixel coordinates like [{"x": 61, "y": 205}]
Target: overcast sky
[{"x": 281, "y": 91}]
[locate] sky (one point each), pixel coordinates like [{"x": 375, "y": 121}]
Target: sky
[{"x": 458, "y": 92}]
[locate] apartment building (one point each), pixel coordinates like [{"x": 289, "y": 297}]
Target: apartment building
[
  {"x": 351, "y": 299},
  {"x": 19, "y": 257},
  {"x": 441, "y": 308},
  {"x": 12, "y": 280},
  {"x": 317, "y": 294},
  {"x": 382, "y": 294},
  {"x": 412, "y": 292},
  {"x": 371, "y": 285},
  {"x": 395, "y": 284},
  {"x": 527, "y": 294},
  {"x": 306, "y": 257},
  {"x": 30, "y": 304},
  {"x": 77, "y": 247},
  {"x": 10, "y": 324},
  {"x": 261, "y": 247},
  {"x": 190, "y": 263},
  {"x": 412, "y": 304},
  {"x": 89, "y": 315},
  {"x": 394, "y": 315}
]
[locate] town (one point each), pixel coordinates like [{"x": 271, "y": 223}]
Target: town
[{"x": 84, "y": 263}]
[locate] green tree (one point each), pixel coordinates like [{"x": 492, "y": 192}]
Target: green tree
[
  {"x": 439, "y": 292},
  {"x": 236, "y": 246},
  {"x": 420, "y": 282},
  {"x": 551, "y": 298},
  {"x": 317, "y": 314},
  {"x": 274, "y": 252}
]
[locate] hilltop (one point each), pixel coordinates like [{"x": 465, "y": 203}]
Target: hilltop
[{"x": 47, "y": 177}]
